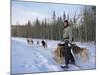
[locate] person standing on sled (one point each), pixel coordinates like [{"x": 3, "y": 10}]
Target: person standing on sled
[{"x": 67, "y": 36}]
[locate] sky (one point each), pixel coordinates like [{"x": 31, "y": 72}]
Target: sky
[{"x": 22, "y": 11}]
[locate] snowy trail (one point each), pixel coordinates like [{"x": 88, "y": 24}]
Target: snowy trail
[{"x": 31, "y": 59}]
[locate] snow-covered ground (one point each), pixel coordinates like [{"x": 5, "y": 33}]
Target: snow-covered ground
[{"x": 34, "y": 58}]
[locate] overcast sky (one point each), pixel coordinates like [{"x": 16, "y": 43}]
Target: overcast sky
[{"x": 23, "y": 11}]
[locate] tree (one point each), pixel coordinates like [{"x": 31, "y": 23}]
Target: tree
[
  {"x": 37, "y": 28},
  {"x": 64, "y": 16}
]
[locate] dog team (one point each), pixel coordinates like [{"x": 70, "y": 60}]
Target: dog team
[{"x": 43, "y": 43}]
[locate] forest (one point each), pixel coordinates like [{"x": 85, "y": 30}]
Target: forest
[{"x": 83, "y": 26}]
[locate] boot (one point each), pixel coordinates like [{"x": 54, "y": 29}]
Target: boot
[{"x": 64, "y": 66}]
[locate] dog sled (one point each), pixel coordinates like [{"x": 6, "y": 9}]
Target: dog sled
[{"x": 59, "y": 53}]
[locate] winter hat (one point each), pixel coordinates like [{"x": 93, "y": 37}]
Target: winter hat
[{"x": 67, "y": 23}]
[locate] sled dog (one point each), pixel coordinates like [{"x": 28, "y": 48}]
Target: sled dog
[
  {"x": 83, "y": 52},
  {"x": 44, "y": 44},
  {"x": 30, "y": 41}
]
